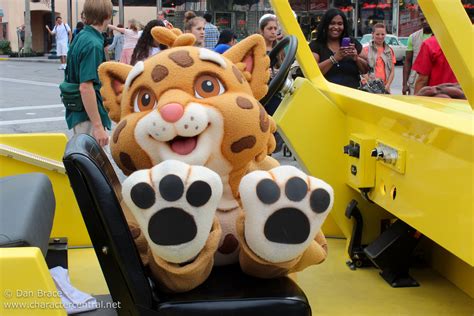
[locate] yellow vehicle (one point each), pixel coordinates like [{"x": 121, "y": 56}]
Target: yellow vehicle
[{"x": 408, "y": 166}]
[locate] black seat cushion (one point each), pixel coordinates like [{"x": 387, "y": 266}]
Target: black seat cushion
[
  {"x": 228, "y": 291},
  {"x": 27, "y": 206}
]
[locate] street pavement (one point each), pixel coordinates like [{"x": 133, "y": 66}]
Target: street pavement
[
  {"x": 30, "y": 102},
  {"x": 29, "y": 98}
]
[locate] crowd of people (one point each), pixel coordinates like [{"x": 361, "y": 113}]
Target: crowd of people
[
  {"x": 347, "y": 63},
  {"x": 340, "y": 57}
]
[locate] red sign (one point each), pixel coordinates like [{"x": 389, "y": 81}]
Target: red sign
[
  {"x": 318, "y": 5},
  {"x": 409, "y": 22},
  {"x": 298, "y": 5}
]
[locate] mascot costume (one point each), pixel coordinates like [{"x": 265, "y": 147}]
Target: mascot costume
[{"x": 202, "y": 190}]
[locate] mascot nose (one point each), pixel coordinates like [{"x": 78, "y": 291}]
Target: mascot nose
[{"x": 172, "y": 112}]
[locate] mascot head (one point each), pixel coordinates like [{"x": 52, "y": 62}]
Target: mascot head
[{"x": 190, "y": 104}]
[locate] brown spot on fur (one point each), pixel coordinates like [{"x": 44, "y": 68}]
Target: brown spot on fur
[
  {"x": 244, "y": 103},
  {"x": 238, "y": 74},
  {"x": 136, "y": 231},
  {"x": 227, "y": 210},
  {"x": 118, "y": 130},
  {"x": 246, "y": 142},
  {"x": 127, "y": 161},
  {"x": 159, "y": 73},
  {"x": 182, "y": 58},
  {"x": 325, "y": 247},
  {"x": 264, "y": 121},
  {"x": 229, "y": 245}
]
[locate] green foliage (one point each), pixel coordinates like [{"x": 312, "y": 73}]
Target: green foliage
[
  {"x": 5, "y": 48},
  {"x": 30, "y": 54}
]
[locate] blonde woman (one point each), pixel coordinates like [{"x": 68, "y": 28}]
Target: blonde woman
[
  {"x": 131, "y": 36},
  {"x": 195, "y": 25},
  {"x": 380, "y": 56}
]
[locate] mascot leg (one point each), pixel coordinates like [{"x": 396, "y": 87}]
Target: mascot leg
[
  {"x": 174, "y": 206},
  {"x": 280, "y": 229}
]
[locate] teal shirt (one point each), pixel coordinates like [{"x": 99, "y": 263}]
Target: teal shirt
[{"x": 85, "y": 55}]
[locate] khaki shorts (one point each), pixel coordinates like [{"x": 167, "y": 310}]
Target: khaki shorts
[
  {"x": 83, "y": 128},
  {"x": 61, "y": 48},
  {"x": 86, "y": 128}
]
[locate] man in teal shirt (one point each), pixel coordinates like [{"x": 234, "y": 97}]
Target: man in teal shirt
[{"x": 85, "y": 55}]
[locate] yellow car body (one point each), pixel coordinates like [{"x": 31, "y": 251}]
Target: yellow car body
[{"x": 429, "y": 185}]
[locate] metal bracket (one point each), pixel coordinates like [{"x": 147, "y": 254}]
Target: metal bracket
[
  {"x": 32, "y": 159},
  {"x": 390, "y": 156}
]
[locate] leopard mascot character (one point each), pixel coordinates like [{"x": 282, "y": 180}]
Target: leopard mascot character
[{"x": 202, "y": 190}]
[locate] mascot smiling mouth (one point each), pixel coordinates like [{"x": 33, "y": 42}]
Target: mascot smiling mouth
[{"x": 183, "y": 145}]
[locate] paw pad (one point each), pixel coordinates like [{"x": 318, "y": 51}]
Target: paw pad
[
  {"x": 163, "y": 225},
  {"x": 319, "y": 200},
  {"x": 268, "y": 191},
  {"x": 198, "y": 193},
  {"x": 296, "y": 189},
  {"x": 171, "y": 188},
  {"x": 287, "y": 226},
  {"x": 143, "y": 195}
]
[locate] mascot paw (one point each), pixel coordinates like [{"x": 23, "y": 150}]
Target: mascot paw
[
  {"x": 174, "y": 204},
  {"x": 284, "y": 210}
]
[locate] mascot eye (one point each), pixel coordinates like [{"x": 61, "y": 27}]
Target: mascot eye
[
  {"x": 144, "y": 101},
  {"x": 208, "y": 86}
]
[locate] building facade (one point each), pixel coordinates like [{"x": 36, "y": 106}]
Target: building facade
[
  {"x": 402, "y": 17},
  {"x": 41, "y": 14}
]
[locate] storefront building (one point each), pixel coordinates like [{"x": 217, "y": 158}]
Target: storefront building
[
  {"x": 402, "y": 17},
  {"x": 362, "y": 14}
]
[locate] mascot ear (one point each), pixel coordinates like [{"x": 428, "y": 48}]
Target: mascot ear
[
  {"x": 163, "y": 35},
  {"x": 176, "y": 31},
  {"x": 173, "y": 37},
  {"x": 113, "y": 76},
  {"x": 187, "y": 39},
  {"x": 251, "y": 59}
]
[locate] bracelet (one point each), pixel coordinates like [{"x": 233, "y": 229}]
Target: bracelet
[{"x": 333, "y": 60}]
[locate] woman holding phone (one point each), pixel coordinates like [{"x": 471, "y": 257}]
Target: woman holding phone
[{"x": 338, "y": 55}]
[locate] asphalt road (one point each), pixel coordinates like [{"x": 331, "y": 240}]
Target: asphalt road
[
  {"x": 30, "y": 103},
  {"x": 29, "y": 97}
]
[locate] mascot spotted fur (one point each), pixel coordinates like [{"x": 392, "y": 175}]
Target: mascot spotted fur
[{"x": 203, "y": 190}]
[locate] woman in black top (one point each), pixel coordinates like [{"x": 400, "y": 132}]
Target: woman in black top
[{"x": 341, "y": 65}]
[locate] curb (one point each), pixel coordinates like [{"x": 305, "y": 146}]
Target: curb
[{"x": 32, "y": 60}]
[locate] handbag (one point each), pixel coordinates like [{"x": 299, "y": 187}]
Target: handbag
[
  {"x": 372, "y": 84},
  {"x": 71, "y": 96}
]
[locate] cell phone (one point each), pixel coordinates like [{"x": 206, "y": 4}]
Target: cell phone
[{"x": 346, "y": 41}]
